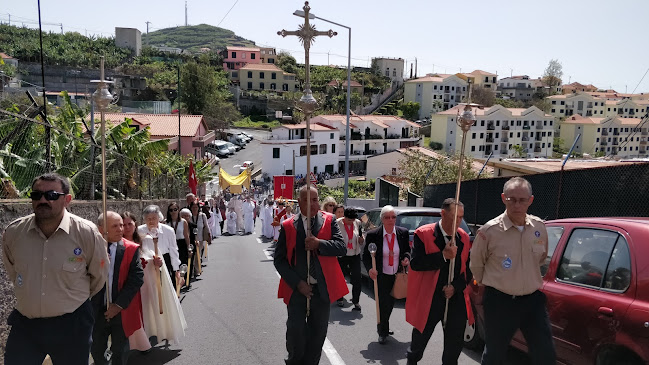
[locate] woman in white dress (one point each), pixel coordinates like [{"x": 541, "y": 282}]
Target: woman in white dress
[{"x": 231, "y": 221}]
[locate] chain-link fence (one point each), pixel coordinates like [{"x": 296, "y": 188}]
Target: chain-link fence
[
  {"x": 596, "y": 192},
  {"x": 29, "y": 148}
]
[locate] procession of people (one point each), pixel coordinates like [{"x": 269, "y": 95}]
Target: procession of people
[{"x": 124, "y": 281}]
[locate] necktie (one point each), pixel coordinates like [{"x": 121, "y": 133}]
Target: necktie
[
  {"x": 390, "y": 238},
  {"x": 350, "y": 235}
]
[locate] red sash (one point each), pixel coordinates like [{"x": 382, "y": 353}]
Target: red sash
[
  {"x": 131, "y": 315},
  {"x": 422, "y": 284},
  {"x": 336, "y": 284},
  {"x": 350, "y": 235}
]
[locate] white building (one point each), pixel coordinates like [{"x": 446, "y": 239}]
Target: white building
[
  {"x": 369, "y": 135},
  {"x": 391, "y": 67},
  {"x": 599, "y": 105},
  {"x": 497, "y": 130},
  {"x": 290, "y": 140},
  {"x": 516, "y": 87},
  {"x": 435, "y": 92}
]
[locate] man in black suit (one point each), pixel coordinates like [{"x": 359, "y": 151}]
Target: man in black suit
[
  {"x": 323, "y": 284},
  {"x": 124, "y": 258},
  {"x": 390, "y": 259}
]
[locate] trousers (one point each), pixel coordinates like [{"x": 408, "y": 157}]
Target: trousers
[{"x": 305, "y": 336}]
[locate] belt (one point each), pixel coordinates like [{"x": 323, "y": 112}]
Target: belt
[{"x": 511, "y": 295}]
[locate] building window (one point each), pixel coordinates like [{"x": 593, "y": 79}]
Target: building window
[
  {"x": 473, "y": 136},
  {"x": 394, "y": 72},
  {"x": 250, "y": 85},
  {"x": 234, "y": 54},
  {"x": 261, "y": 85},
  {"x": 434, "y": 87},
  {"x": 276, "y": 152},
  {"x": 451, "y": 132},
  {"x": 333, "y": 148},
  {"x": 331, "y": 136},
  {"x": 261, "y": 75},
  {"x": 252, "y": 56},
  {"x": 243, "y": 55},
  {"x": 250, "y": 74},
  {"x": 273, "y": 86},
  {"x": 285, "y": 87},
  {"x": 323, "y": 149},
  {"x": 273, "y": 76},
  {"x": 314, "y": 149},
  {"x": 302, "y": 150},
  {"x": 472, "y": 148},
  {"x": 481, "y": 135},
  {"x": 387, "y": 72},
  {"x": 482, "y": 124}
]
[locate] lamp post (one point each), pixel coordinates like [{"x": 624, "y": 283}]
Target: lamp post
[
  {"x": 307, "y": 104},
  {"x": 300, "y": 13},
  {"x": 102, "y": 98}
]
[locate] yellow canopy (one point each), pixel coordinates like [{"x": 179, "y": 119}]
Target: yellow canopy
[{"x": 235, "y": 183}]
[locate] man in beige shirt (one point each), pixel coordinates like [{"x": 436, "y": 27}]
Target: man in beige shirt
[
  {"x": 506, "y": 257},
  {"x": 56, "y": 261}
]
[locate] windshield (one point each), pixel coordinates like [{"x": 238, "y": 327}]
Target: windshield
[{"x": 414, "y": 220}]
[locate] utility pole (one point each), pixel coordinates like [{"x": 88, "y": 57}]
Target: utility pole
[
  {"x": 178, "y": 98},
  {"x": 61, "y": 28},
  {"x": 9, "y": 19},
  {"x": 147, "y": 27},
  {"x": 328, "y": 58},
  {"x": 185, "y": 14}
]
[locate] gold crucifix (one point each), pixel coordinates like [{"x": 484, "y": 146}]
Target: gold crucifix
[{"x": 307, "y": 104}]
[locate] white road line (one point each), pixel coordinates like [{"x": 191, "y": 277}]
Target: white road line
[
  {"x": 328, "y": 348},
  {"x": 259, "y": 240}
]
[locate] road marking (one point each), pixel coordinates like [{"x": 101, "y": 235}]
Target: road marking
[
  {"x": 259, "y": 240},
  {"x": 328, "y": 348}
]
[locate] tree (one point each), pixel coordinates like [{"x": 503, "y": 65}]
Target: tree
[
  {"x": 287, "y": 62},
  {"x": 435, "y": 146},
  {"x": 508, "y": 103},
  {"x": 410, "y": 110},
  {"x": 482, "y": 96},
  {"x": 552, "y": 75},
  {"x": 558, "y": 146},
  {"x": 421, "y": 170},
  {"x": 519, "y": 151},
  {"x": 437, "y": 106},
  {"x": 199, "y": 85}
]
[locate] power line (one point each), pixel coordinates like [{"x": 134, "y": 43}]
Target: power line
[{"x": 226, "y": 14}]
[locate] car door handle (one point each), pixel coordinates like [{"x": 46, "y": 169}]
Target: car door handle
[{"x": 605, "y": 311}]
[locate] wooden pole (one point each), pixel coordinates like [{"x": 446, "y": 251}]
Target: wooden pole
[
  {"x": 372, "y": 249},
  {"x": 189, "y": 262},
  {"x": 158, "y": 282}
]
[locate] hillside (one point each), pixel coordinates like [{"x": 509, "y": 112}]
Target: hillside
[{"x": 195, "y": 37}]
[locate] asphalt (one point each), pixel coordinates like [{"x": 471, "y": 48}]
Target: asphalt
[{"x": 234, "y": 317}]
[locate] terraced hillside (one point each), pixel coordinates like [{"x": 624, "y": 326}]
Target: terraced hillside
[{"x": 195, "y": 37}]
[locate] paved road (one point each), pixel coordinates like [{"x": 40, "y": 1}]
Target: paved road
[{"x": 234, "y": 318}]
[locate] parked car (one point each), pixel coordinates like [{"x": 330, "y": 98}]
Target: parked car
[
  {"x": 219, "y": 148},
  {"x": 237, "y": 140},
  {"x": 234, "y": 148},
  {"x": 410, "y": 218},
  {"x": 596, "y": 279},
  {"x": 245, "y": 137},
  {"x": 246, "y": 165},
  {"x": 250, "y": 137}
]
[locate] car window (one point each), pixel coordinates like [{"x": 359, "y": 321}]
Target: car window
[
  {"x": 554, "y": 235},
  {"x": 586, "y": 256},
  {"x": 412, "y": 222},
  {"x": 618, "y": 273}
]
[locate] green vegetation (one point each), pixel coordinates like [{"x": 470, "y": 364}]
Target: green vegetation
[
  {"x": 410, "y": 110},
  {"x": 195, "y": 37},
  {"x": 420, "y": 170},
  {"x": 357, "y": 190},
  {"x": 69, "y": 49},
  {"x": 248, "y": 123},
  {"x": 435, "y": 146}
]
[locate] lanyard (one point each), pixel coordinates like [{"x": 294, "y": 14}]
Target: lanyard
[
  {"x": 390, "y": 238},
  {"x": 350, "y": 235}
]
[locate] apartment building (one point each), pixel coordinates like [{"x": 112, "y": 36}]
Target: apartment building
[
  {"x": 576, "y": 87},
  {"x": 264, "y": 76},
  {"x": 435, "y": 92},
  {"x": 496, "y": 131},
  {"x": 390, "y": 67},
  {"x": 595, "y": 104},
  {"x": 268, "y": 55},
  {"x": 516, "y": 87},
  {"x": 482, "y": 79},
  {"x": 289, "y": 141},
  {"x": 235, "y": 58},
  {"x": 369, "y": 135},
  {"x": 612, "y": 135}
]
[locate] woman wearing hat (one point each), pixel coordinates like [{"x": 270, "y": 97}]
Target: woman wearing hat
[{"x": 350, "y": 227}]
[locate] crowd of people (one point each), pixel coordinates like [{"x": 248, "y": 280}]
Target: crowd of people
[{"x": 122, "y": 278}]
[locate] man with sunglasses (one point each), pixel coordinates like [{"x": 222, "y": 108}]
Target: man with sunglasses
[
  {"x": 506, "y": 257},
  {"x": 56, "y": 261}
]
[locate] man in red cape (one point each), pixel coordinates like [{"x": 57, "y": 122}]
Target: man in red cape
[
  {"x": 428, "y": 288},
  {"x": 125, "y": 277},
  {"x": 324, "y": 284}
]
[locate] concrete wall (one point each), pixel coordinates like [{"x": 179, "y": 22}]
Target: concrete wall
[{"x": 13, "y": 209}]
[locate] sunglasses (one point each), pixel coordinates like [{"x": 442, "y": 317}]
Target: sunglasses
[
  {"x": 173, "y": 209},
  {"x": 49, "y": 195}
]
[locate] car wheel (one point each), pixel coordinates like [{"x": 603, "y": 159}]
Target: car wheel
[
  {"x": 472, "y": 336},
  {"x": 617, "y": 356}
]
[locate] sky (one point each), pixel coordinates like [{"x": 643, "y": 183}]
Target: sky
[{"x": 598, "y": 42}]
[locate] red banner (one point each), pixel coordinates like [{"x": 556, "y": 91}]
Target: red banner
[
  {"x": 192, "y": 178},
  {"x": 283, "y": 186}
]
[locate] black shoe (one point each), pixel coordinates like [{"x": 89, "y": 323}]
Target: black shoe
[
  {"x": 357, "y": 307},
  {"x": 390, "y": 333},
  {"x": 341, "y": 303},
  {"x": 383, "y": 339},
  {"x": 411, "y": 362}
]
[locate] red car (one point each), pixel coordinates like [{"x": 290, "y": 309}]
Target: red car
[{"x": 596, "y": 279}]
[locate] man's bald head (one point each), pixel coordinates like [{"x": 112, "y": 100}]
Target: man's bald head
[
  {"x": 302, "y": 201},
  {"x": 114, "y": 226}
]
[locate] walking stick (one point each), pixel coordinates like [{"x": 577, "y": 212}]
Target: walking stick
[
  {"x": 464, "y": 121},
  {"x": 158, "y": 282},
  {"x": 190, "y": 250},
  {"x": 183, "y": 270},
  {"x": 372, "y": 248},
  {"x": 198, "y": 256}
]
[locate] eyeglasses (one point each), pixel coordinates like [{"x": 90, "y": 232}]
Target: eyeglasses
[
  {"x": 49, "y": 195},
  {"x": 173, "y": 209},
  {"x": 331, "y": 205},
  {"x": 390, "y": 217},
  {"x": 518, "y": 201}
]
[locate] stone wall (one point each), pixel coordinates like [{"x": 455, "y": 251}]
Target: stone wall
[{"x": 13, "y": 209}]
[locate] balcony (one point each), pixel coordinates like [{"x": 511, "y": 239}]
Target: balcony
[
  {"x": 615, "y": 142},
  {"x": 604, "y": 132},
  {"x": 202, "y": 141},
  {"x": 504, "y": 139},
  {"x": 489, "y": 139},
  {"x": 603, "y": 142},
  {"x": 526, "y": 127},
  {"x": 537, "y": 149},
  {"x": 538, "y": 137},
  {"x": 615, "y": 132},
  {"x": 505, "y": 127},
  {"x": 525, "y": 138},
  {"x": 491, "y": 127},
  {"x": 643, "y": 142},
  {"x": 539, "y": 126},
  {"x": 644, "y": 132},
  {"x": 643, "y": 152}
]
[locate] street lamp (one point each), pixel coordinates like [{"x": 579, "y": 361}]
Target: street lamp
[{"x": 300, "y": 13}]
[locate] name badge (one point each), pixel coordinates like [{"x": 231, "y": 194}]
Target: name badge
[
  {"x": 507, "y": 263},
  {"x": 19, "y": 280}
]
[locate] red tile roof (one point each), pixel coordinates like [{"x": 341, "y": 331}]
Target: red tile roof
[
  {"x": 314, "y": 127},
  {"x": 5, "y": 56},
  {"x": 480, "y": 72},
  {"x": 261, "y": 66},
  {"x": 249, "y": 49},
  {"x": 161, "y": 125}
]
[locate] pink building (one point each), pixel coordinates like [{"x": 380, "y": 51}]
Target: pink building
[
  {"x": 236, "y": 57},
  {"x": 194, "y": 135}
]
